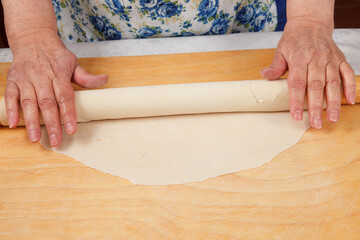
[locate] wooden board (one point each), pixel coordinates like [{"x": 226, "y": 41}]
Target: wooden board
[{"x": 309, "y": 191}]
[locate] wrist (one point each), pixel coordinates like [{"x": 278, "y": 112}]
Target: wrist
[
  {"x": 24, "y": 19},
  {"x": 317, "y": 15},
  {"x": 34, "y": 37},
  {"x": 324, "y": 26}
]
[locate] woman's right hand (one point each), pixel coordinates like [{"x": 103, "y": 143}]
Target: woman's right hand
[{"x": 39, "y": 80}]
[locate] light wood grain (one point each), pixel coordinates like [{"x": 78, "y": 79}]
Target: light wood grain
[{"x": 309, "y": 191}]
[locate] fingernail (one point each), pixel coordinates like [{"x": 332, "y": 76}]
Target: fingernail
[
  {"x": 54, "y": 140},
  {"x": 352, "y": 98},
  {"x": 10, "y": 120},
  {"x": 298, "y": 115},
  {"x": 11, "y": 124},
  {"x": 33, "y": 135},
  {"x": 262, "y": 71},
  {"x": 69, "y": 128},
  {"x": 317, "y": 122},
  {"x": 334, "y": 115}
]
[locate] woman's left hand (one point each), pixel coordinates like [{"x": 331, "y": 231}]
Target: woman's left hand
[{"x": 316, "y": 67}]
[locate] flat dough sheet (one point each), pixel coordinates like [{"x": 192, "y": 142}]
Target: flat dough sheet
[{"x": 181, "y": 149}]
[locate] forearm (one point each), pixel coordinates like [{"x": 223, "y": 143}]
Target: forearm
[
  {"x": 311, "y": 12},
  {"x": 25, "y": 18}
]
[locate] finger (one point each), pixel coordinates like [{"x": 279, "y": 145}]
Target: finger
[
  {"x": 65, "y": 98},
  {"x": 84, "y": 79},
  {"x": 333, "y": 92},
  {"x": 276, "y": 69},
  {"x": 315, "y": 91},
  {"x": 49, "y": 110},
  {"x": 30, "y": 110},
  {"x": 12, "y": 96},
  {"x": 349, "y": 81},
  {"x": 297, "y": 87}
]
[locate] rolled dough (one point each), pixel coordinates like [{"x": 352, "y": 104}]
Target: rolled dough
[
  {"x": 181, "y": 149},
  {"x": 175, "y": 99}
]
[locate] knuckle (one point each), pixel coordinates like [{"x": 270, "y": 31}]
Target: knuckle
[
  {"x": 11, "y": 90},
  {"x": 297, "y": 64},
  {"x": 68, "y": 57},
  {"x": 316, "y": 103},
  {"x": 297, "y": 104},
  {"x": 325, "y": 51},
  {"x": 53, "y": 128},
  {"x": 337, "y": 59},
  {"x": 64, "y": 98},
  {"x": 298, "y": 84},
  {"x": 316, "y": 52},
  {"x": 333, "y": 82},
  {"x": 13, "y": 75},
  {"x": 299, "y": 55},
  {"x": 350, "y": 71},
  {"x": 67, "y": 115},
  {"x": 322, "y": 46},
  {"x": 316, "y": 84},
  {"x": 9, "y": 97},
  {"x": 66, "y": 64},
  {"x": 310, "y": 50},
  {"x": 27, "y": 102},
  {"x": 71, "y": 60},
  {"x": 47, "y": 103},
  {"x": 333, "y": 104},
  {"x": 350, "y": 86}
]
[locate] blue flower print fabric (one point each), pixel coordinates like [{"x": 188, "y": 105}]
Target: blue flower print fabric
[{"x": 96, "y": 20}]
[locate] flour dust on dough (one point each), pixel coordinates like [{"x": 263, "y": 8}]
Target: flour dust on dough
[{"x": 181, "y": 149}]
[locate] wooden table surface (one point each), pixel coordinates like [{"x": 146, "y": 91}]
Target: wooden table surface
[{"x": 309, "y": 191}]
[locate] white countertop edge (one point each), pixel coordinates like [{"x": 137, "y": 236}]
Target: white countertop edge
[{"x": 348, "y": 41}]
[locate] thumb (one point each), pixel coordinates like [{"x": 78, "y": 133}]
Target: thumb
[
  {"x": 86, "y": 80},
  {"x": 276, "y": 69}
]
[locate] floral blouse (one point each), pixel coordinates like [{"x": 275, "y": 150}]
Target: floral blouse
[{"x": 94, "y": 20}]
